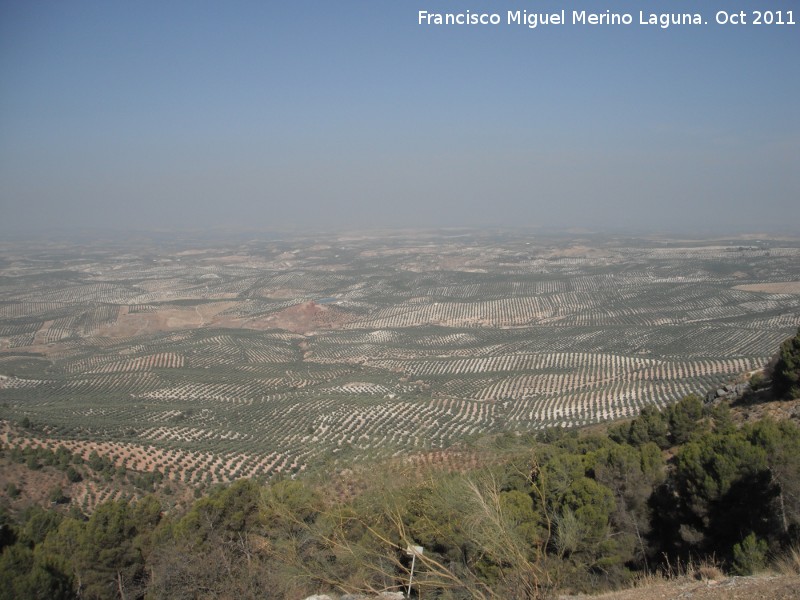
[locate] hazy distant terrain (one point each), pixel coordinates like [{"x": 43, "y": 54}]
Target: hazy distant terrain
[{"x": 212, "y": 360}]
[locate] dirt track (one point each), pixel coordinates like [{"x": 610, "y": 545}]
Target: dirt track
[{"x": 762, "y": 587}]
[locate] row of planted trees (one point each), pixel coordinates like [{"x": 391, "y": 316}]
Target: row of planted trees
[{"x": 565, "y": 511}]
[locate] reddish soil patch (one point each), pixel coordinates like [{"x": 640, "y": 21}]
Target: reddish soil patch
[{"x": 302, "y": 318}]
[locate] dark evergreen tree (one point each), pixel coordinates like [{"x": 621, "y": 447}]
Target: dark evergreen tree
[{"x": 786, "y": 372}]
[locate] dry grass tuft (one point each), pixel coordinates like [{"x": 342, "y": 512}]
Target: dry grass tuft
[
  {"x": 789, "y": 563},
  {"x": 649, "y": 579},
  {"x": 708, "y": 572}
]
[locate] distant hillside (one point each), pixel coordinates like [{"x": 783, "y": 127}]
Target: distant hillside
[{"x": 212, "y": 361}]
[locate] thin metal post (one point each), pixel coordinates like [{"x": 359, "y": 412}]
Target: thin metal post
[{"x": 411, "y": 577}]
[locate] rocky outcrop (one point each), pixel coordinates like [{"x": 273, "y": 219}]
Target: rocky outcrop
[{"x": 729, "y": 392}]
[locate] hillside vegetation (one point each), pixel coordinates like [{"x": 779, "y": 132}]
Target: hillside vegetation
[
  {"x": 563, "y": 511},
  {"x": 212, "y": 360}
]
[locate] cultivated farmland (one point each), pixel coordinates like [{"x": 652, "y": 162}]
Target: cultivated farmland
[{"x": 211, "y": 360}]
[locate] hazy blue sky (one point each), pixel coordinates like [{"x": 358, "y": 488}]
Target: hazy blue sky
[{"x": 344, "y": 114}]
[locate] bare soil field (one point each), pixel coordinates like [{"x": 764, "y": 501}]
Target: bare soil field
[
  {"x": 302, "y": 318},
  {"x": 162, "y": 319},
  {"x": 785, "y": 287}
]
